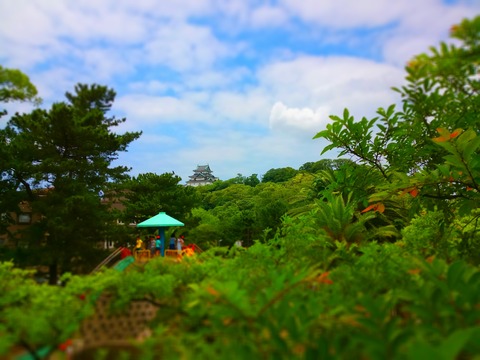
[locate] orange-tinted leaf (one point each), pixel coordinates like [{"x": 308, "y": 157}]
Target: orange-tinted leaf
[
  {"x": 375, "y": 207},
  {"x": 371, "y": 207},
  {"x": 430, "y": 259},
  {"x": 284, "y": 334},
  {"x": 212, "y": 291},
  {"x": 414, "y": 271},
  {"x": 455, "y": 134},
  {"x": 406, "y": 191},
  {"x": 414, "y": 192},
  {"x": 441, "y": 139},
  {"x": 299, "y": 349},
  {"x": 323, "y": 278},
  {"x": 443, "y": 132},
  {"x": 350, "y": 320},
  {"x": 469, "y": 188},
  {"x": 360, "y": 308},
  {"x": 444, "y": 135}
]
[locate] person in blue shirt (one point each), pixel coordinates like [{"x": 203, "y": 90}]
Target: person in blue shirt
[
  {"x": 158, "y": 245},
  {"x": 171, "y": 246}
]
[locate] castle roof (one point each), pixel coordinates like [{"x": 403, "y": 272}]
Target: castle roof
[{"x": 202, "y": 175}]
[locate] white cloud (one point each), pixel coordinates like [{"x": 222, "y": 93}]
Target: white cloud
[
  {"x": 156, "y": 141},
  {"x": 312, "y": 86},
  {"x": 104, "y": 63},
  {"x": 144, "y": 109},
  {"x": 247, "y": 107},
  {"x": 349, "y": 14},
  {"x": 182, "y": 47},
  {"x": 413, "y": 37},
  {"x": 178, "y": 9},
  {"x": 216, "y": 78},
  {"x": 26, "y": 23},
  {"x": 192, "y": 75},
  {"x": 304, "y": 119},
  {"x": 148, "y": 87},
  {"x": 264, "y": 16}
]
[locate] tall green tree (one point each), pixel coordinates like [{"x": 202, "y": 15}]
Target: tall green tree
[
  {"x": 279, "y": 175},
  {"x": 324, "y": 164},
  {"x": 252, "y": 180},
  {"x": 243, "y": 212},
  {"x": 428, "y": 151},
  {"x": 58, "y": 160},
  {"x": 148, "y": 194}
]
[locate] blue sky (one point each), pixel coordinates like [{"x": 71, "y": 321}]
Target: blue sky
[{"x": 240, "y": 85}]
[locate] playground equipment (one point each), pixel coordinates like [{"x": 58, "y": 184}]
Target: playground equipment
[
  {"x": 188, "y": 250},
  {"x": 108, "y": 259},
  {"x": 99, "y": 330},
  {"x": 119, "y": 259},
  {"x": 160, "y": 221},
  {"x": 115, "y": 260}
]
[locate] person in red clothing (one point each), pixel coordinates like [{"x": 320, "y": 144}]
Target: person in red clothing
[{"x": 125, "y": 252}]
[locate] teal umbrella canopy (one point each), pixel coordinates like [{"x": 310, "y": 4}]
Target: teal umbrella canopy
[{"x": 161, "y": 219}]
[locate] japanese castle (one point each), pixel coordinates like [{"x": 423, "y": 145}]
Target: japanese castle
[{"x": 202, "y": 175}]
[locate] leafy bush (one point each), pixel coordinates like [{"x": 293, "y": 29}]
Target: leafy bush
[{"x": 378, "y": 302}]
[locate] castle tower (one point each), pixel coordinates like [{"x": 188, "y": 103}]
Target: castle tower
[{"x": 202, "y": 175}]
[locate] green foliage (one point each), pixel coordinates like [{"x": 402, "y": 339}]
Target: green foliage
[
  {"x": 340, "y": 220},
  {"x": 467, "y": 229},
  {"x": 300, "y": 239},
  {"x": 16, "y": 86},
  {"x": 251, "y": 180},
  {"x": 323, "y": 275},
  {"x": 441, "y": 92},
  {"x": 35, "y": 315},
  {"x": 279, "y": 175},
  {"x": 429, "y": 151},
  {"x": 57, "y": 161},
  {"x": 148, "y": 194},
  {"x": 377, "y": 301},
  {"x": 325, "y": 164},
  {"x": 349, "y": 180},
  {"x": 208, "y": 228},
  {"x": 355, "y": 138},
  {"x": 428, "y": 234}
]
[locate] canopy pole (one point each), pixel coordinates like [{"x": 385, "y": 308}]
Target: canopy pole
[{"x": 161, "y": 232}]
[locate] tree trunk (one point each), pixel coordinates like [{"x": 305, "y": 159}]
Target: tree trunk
[{"x": 53, "y": 273}]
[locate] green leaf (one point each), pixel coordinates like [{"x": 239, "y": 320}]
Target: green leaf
[
  {"x": 455, "y": 273},
  {"x": 422, "y": 351},
  {"x": 324, "y": 134},
  {"x": 451, "y": 347},
  {"x": 465, "y": 207},
  {"x": 454, "y": 160},
  {"x": 390, "y": 110},
  {"x": 328, "y": 147},
  {"x": 471, "y": 147}
]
